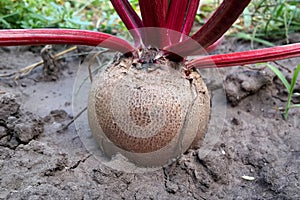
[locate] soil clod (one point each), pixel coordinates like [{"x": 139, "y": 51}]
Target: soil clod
[
  {"x": 242, "y": 83},
  {"x": 52, "y": 68},
  {"x": 17, "y": 127}
]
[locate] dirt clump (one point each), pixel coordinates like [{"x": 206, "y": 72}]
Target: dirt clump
[
  {"x": 242, "y": 83},
  {"x": 17, "y": 127},
  {"x": 51, "y": 68},
  {"x": 8, "y": 106}
]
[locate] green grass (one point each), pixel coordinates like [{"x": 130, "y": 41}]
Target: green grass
[
  {"x": 263, "y": 21},
  {"x": 270, "y": 20},
  {"x": 78, "y": 14},
  {"x": 289, "y": 87},
  {"x": 44, "y": 13}
]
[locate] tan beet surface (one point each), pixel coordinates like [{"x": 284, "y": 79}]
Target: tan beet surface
[{"x": 145, "y": 111}]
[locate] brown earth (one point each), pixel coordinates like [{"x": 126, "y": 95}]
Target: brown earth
[{"x": 257, "y": 155}]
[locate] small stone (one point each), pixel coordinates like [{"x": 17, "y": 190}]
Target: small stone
[
  {"x": 2, "y": 131},
  {"x": 57, "y": 126},
  {"x": 59, "y": 115},
  {"x": 248, "y": 178},
  {"x": 171, "y": 187},
  {"x": 47, "y": 118},
  {"x": 235, "y": 121},
  {"x": 10, "y": 124},
  {"x": 8, "y": 106}
]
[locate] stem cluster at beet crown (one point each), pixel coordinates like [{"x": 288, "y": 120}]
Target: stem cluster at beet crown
[{"x": 175, "y": 15}]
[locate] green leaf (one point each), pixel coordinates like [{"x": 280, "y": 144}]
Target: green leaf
[
  {"x": 4, "y": 23},
  {"x": 280, "y": 76},
  {"x": 249, "y": 37},
  {"x": 247, "y": 17},
  {"x": 288, "y": 104},
  {"x": 295, "y": 106},
  {"x": 294, "y": 79}
]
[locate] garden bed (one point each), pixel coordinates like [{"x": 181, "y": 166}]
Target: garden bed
[{"x": 257, "y": 155}]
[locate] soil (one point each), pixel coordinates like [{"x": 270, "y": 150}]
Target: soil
[{"x": 257, "y": 155}]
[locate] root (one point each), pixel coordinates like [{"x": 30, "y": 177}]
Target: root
[
  {"x": 255, "y": 67},
  {"x": 264, "y": 67},
  {"x": 27, "y": 70},
  {"x": 73, "y": 120},
  {"x": 92, "y": 60}
]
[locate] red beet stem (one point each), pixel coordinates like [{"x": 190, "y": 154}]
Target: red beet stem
[
  {"x": 130, "y": 18},
  {"x": 154, "y": 14},
  {"x": 214, "y": 45},
  {"x": 176, "y": 14},
  {"x": 222, "y": 19},
  {"x": 165, "y": 6},
  {"x": 175, "y": 20},
  {"x": 15, "y": 37},
  {"x": 209, "y": 49},
  {"x": 190, "y": 16},
  {"x": 213, "y": 29},
  {"x": 246, "y": 57}
]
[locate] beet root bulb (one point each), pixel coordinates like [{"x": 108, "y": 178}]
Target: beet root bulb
[{"x": 149, "y": 113}]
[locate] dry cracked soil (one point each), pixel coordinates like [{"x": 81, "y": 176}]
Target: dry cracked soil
[{"x": 257, "y": 155}]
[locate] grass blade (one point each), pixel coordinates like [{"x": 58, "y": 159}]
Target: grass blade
[
  {"x": 294, "y": 79},
  {"x": 280, "y": 76},
  {"x": 295, "y": 106},
  {"x": 289, "y": 87},
  {"x": 245, "y": 36}
]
